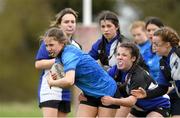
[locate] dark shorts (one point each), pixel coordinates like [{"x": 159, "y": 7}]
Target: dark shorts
[
  {"x": 163, "y": 111},
  {"x": 63, "y": 106},
  {"x": 96, "y": 102},
  {"x": 175, "y": 104}
]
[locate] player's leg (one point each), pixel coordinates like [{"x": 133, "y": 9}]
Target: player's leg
[
  {"x": 62, "y": 114},
  {"x": 123, "y": 111},
  {"x": 159, "y": 112},
  {"x": 49, "y": 108},
  {"x": 64, "y": 108},
  {"x": 106, "y": 112},
  {"x": 85, "y": 110},
  {"x": 131, "y": 116},
  {"x": 88, "y": 108},
  {"x": 49, "y": 112}
]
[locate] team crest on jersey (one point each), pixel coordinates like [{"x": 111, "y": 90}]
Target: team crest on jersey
[
  {"x": 99, "y": 51},
  {"x": 162, "y": 67}
]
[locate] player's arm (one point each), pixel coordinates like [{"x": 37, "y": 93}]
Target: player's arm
[
  {"x": 127, "y": 102},
  {"x": 44, "y": 63},
  {"x": 158, "y": 91},
  {"x": 65, "y": 82}
]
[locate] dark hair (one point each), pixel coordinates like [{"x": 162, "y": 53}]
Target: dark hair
[
  {"x": 108, "y": 15},
  {"x": 57, "y": 35},
  {"x": 134, "y": 50},
  {"x": 154, "y": 20},
  {"x": 61, "y": 14},
  {"x": 168, "y": 35}
]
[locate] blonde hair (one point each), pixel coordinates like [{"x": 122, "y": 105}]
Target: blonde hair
[{"x": 137, "y": 24}]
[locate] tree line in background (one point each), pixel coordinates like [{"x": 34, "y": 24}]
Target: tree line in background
[
  {"x": 166, "y": 10},
  {"x": 23, "y": 21}
]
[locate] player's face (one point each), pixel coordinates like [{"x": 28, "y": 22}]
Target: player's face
[
  {"x": 108, "y": 29},
  {"x": 151, "y": 28},
  {"x": 139, "y": 36},
  {"x": 68, "y": 24},
  {"x": 124, "y": 59},
  {"x": 162, "y": 48},
  {"x": 53, "y": 46}
]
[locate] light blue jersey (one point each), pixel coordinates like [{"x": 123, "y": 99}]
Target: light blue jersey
[
  {"x": 91, "y": 78},
  {"x": 150, "y": 58}
]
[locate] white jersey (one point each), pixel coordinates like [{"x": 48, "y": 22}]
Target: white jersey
[{"x": 46, "y": 93}]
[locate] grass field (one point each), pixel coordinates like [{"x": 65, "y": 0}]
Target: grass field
[
  {"x": 20, "y": 110},
  {"x": 15, "y": 109}
]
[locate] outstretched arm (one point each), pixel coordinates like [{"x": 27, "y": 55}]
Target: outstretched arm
[
  {"x": 127, "y": 102},
  {"x": 141, "y": 93}
]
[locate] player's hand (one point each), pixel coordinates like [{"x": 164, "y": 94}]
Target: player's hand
[
  {"x": 139, "y": 93},
  {"x": 53, "y": 75},
  {"x": 50, "y": 79},
  {"x": 106, "y": 68},
  {"x": 82, "y": 97},
  {"x": 107, "y": 100}
]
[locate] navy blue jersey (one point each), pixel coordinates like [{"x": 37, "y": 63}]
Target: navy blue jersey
[
  {"x": 108, "y": 47},
  {"x": 173, "y": 62},
  {"x": 140, "y": 78}
]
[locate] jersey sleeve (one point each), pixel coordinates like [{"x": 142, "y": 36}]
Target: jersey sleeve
[
  {"x": 70, "y": 60},
  {"x": 138, "y": 80},
  {"x": 112, "y": 71},
  {"x": 42, "y": 52},
  {"x": 94, "y": 50},
  {"x": 161, "y": 80}
]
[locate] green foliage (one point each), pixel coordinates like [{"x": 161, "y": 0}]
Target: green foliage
[
  {"x": 100, "y": 5},
  {"x": 58, "y": 5},
  {"x": 22, "y": 21},
  {"x": 166, "y": 10},
  {"x": 97, "y": 6}
]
